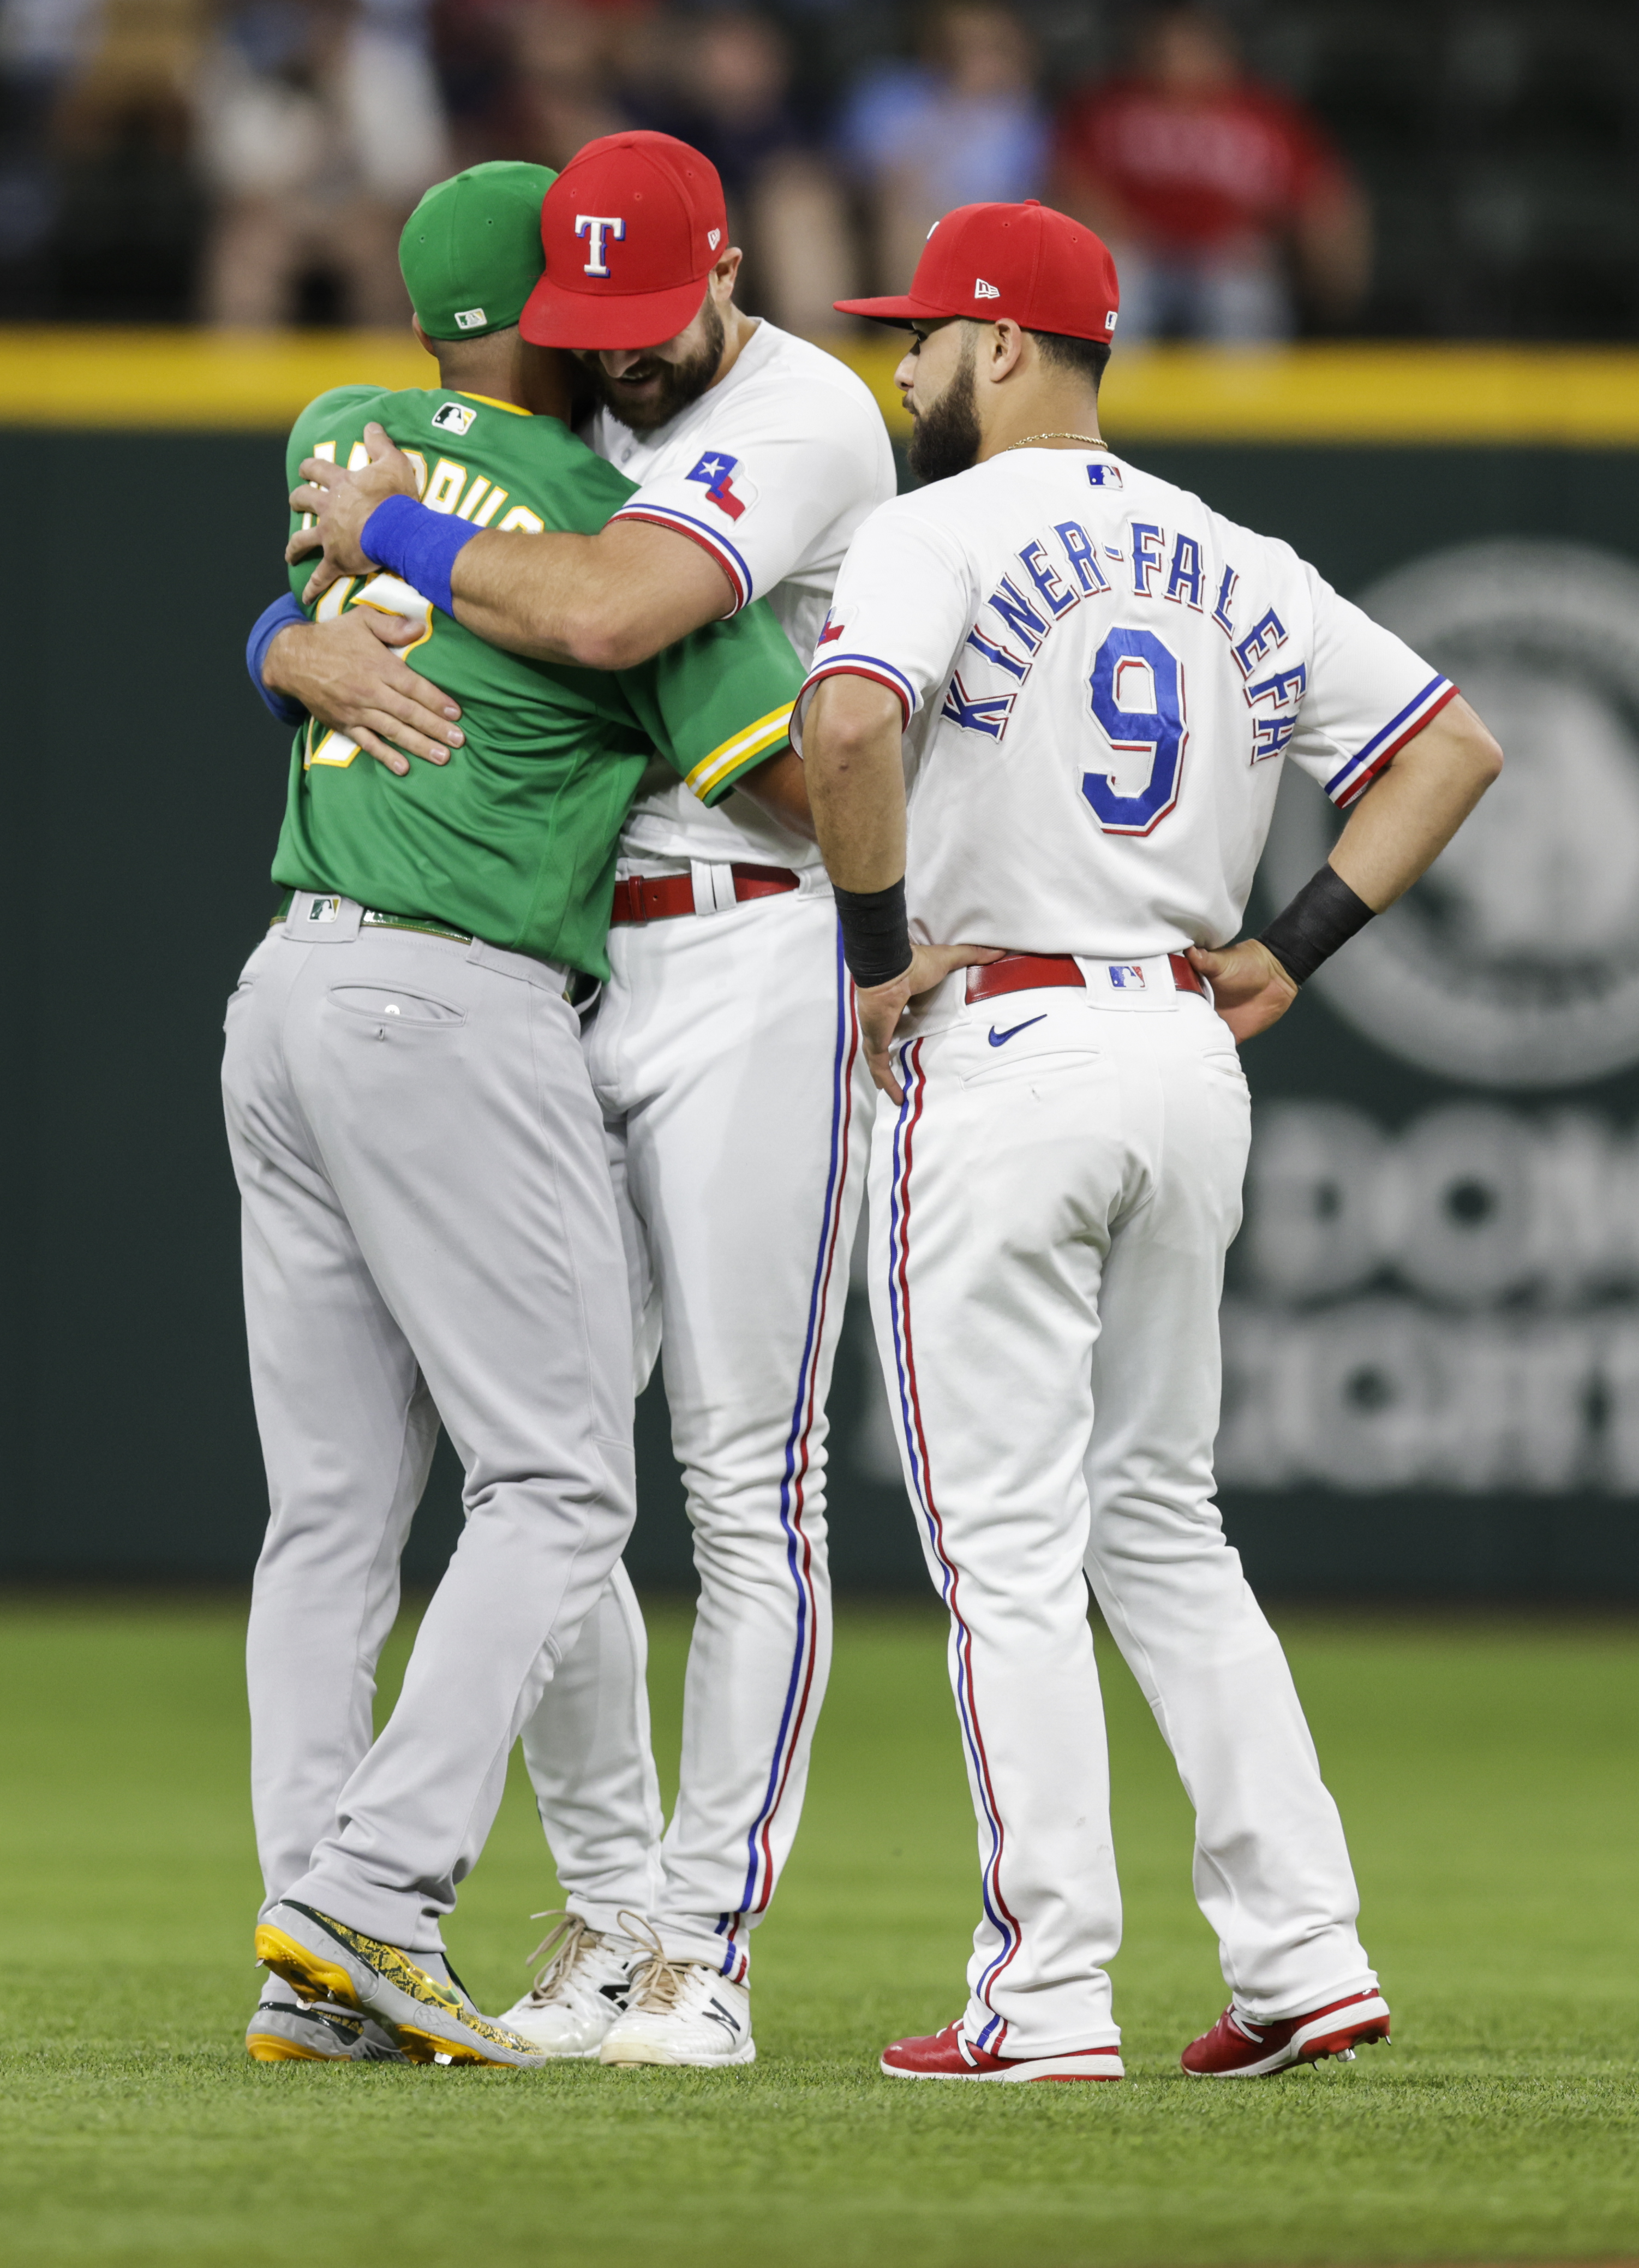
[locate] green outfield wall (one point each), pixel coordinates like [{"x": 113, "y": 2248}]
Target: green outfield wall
[{"x": 1432, "y": 1329}]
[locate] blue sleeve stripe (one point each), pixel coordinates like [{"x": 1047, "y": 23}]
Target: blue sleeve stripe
[
  {"x": 1339, "y": 780},
  {"x": 862, "y": 665}
]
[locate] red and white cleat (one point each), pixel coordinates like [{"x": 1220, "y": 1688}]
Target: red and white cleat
[
  {"x": 950, "y": 2054},
  {"x": 1235, "y": 2048}
]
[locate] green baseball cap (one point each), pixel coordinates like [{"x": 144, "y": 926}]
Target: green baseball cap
[{"x": 471, "y": 253}]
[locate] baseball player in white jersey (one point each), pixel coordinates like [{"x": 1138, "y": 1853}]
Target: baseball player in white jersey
[
  {"x": 726, "y": 1056},
  {"x": 1095, "y": 679}
]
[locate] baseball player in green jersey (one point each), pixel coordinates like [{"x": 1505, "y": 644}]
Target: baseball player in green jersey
[{"x": 429, "y": 1226}]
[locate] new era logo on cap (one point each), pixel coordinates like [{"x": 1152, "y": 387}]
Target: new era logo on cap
[{"x": 1035, "y": 267}]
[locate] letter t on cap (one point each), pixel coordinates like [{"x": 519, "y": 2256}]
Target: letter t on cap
[{"x": 597, "y": 228}]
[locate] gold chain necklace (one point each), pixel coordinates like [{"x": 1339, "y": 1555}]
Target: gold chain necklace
[{"x": 1089, "y": 440}]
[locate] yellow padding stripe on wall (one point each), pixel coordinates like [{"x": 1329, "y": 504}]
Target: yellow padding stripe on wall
[{"x": 206, "y": 381}]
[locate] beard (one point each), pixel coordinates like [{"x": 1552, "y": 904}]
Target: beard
[
  {"x": 679, "y": 383},
  {"x": 945, "y": 438}
]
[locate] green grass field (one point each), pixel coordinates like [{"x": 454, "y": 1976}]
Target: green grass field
[{"x": 1487, "y": 1771}]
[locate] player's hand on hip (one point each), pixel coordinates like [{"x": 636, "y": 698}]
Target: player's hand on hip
[
  {"x": 881, "y": 1005},
  {"x": 346, "y": 673},
  {"x": 1249, "y": 987},
  {"x": 342, "y": 502}
]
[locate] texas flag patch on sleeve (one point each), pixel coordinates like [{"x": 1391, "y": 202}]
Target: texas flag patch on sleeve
[{"x": 725, "y": 483}]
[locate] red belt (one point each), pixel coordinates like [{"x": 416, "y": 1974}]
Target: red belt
[
  {"x": 659, "y": 897},
  {"x": 1026, "y": 972}
]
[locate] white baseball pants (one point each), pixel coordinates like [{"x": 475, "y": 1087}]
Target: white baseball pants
[
  {"x": 1050, "y": 1210},
  {"x": 726, "y": 1056}
]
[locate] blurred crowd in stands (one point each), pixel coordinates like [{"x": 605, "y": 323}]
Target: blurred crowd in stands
[{"x": 1261, "y": 167}]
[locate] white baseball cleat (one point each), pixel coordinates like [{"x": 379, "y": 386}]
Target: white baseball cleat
[
  {"x": 680, "y": 2012},
  {"x": 580, "y": 1992}
]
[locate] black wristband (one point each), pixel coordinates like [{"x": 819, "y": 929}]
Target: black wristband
[
  {"x": 876, "y": 935},
  {"x": 1325, "y": 914}
]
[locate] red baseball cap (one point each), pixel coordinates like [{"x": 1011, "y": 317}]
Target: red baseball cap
[
  {"x": 632, "y": 227},
  {"x": 1039, "y": 268}
]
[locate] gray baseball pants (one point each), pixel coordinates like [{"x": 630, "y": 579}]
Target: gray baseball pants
[{"x": 429, "y": 1231}]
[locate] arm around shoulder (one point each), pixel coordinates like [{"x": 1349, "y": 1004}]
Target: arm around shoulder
[{"x": 603, "y": 601}]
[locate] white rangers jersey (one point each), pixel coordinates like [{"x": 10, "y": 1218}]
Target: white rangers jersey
[
  {"x": 773, "y": 471},
  {"x": 1101, "y": 678}
]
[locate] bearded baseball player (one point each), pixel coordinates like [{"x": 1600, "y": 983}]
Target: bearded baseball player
[
  {"x": 1047, "y": 719},
  {"x": 430, "y": 1227},
  {"x": 723, "y": 1054}
]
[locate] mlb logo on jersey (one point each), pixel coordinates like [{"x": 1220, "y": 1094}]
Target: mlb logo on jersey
[
  {"x": 724, "y": 483},
  {"x": 1104, "y": 477},
  {"x": 1127, "y": 976},
  {"x": 453, "y": 417}
]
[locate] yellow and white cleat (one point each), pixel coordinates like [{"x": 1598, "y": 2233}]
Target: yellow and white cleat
[
  {"x": 285, "y": 2031},
  {"x": 325, "y": 1960}
]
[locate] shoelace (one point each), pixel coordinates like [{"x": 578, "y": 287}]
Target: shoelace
[
  {"x": 1245, "y": 2026},
  {"x": 657, "y": 1981},
  {"x": 560, "y": 1949}
]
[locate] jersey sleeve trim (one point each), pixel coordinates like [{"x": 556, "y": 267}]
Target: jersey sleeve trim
[
  {"x": 1352, "y": 779},
  {"x": 860, "y": 665},
  {"x": 714, "y": 775},
  {"x": 665, "y": 515}
]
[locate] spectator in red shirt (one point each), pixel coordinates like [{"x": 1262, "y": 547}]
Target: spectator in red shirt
[{"x": 1212, "y": 191}]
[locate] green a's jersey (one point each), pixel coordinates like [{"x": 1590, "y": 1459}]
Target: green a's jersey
[{"x": 515, "y": 838}]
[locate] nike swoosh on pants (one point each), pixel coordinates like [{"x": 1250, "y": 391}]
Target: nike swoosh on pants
[{"x": 1001, "y": 1039}]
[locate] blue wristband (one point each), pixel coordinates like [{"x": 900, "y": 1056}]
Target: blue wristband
[
  {"x": 417, "y": 544},
  {"x": 264, "y": 630}
]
